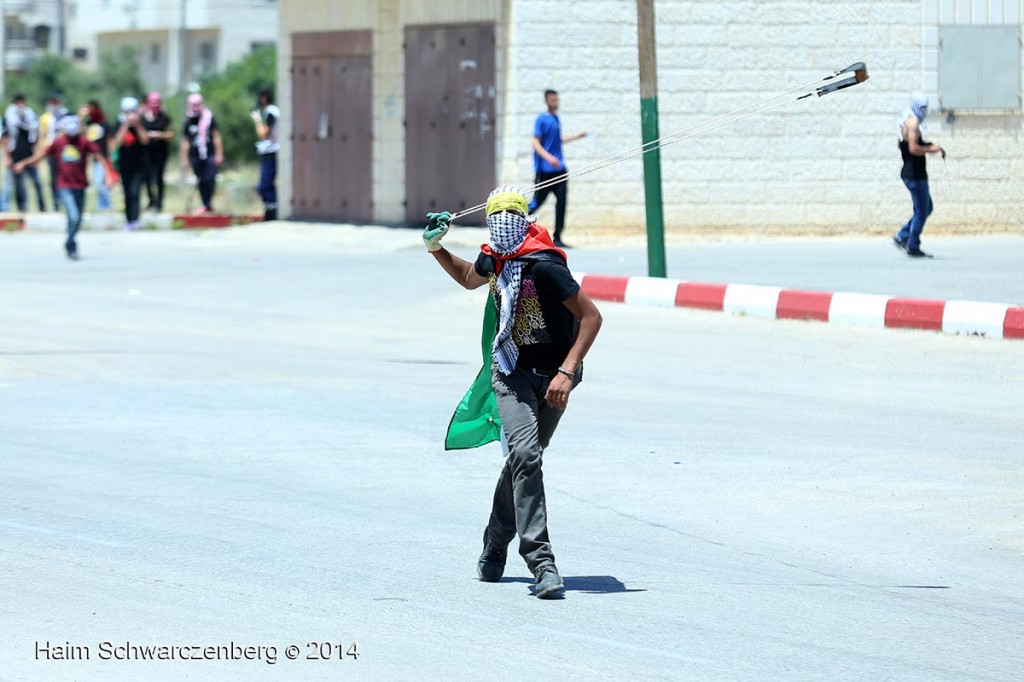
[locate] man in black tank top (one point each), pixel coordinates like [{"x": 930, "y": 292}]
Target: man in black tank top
[{"x": 915, "y": 174}]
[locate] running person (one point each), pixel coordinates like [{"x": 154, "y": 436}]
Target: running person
[{"x": 70, "y": 150}]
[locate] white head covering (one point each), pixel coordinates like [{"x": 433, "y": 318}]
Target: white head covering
[
  {"x": 20, "y": 118},
  {"x": 918, "y": 109},
  {"x": 69, "y": 125},
  {"x": 127, "y": 104}
]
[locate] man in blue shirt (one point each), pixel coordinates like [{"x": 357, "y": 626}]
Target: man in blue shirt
[{"x": 548, "y": 162}]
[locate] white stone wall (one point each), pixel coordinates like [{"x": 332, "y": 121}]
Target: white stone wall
[{"x": 819, "y": 165}]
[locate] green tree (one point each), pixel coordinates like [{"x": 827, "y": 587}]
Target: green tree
[
  {"x": 119, "y": 77},
  {"x": 50, "y": 74}
]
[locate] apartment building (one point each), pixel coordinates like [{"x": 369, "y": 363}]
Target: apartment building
[{"x": 173, "y": 39}]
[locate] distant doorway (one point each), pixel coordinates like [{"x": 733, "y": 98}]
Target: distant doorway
[{"x": 332, "y": 126}]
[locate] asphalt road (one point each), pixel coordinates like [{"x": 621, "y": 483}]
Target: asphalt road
[{"x": 235, "y": 438}]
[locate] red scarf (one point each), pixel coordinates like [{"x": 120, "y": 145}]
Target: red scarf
[{"x": 537, "y": 239}]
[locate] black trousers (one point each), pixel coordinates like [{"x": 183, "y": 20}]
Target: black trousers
[
  {"x": 52, "y": 163},
  {"x": 206, "y": 174},
  {"x": 132, "y": 183},
  {"x": 155, "y": 166},
  {"x": 560, "y": 190},
  {"x": 20, "y": 194}
]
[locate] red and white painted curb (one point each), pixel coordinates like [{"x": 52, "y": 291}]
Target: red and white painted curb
[
  {"x": 995, "y": 320},
  {"x": 57, "y": 222}
]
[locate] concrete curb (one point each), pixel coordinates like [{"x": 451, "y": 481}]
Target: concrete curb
[
  {"x": 56, "y": 222},
  {"x": 972, "y": 318}
]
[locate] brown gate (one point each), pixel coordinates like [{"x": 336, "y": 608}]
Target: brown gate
[
  {"x": 449, "y": 118},
  {"x": 332, "y": 139}
]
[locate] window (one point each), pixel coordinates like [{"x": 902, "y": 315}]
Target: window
[
  {"x": 41, "y": 36},
  {"x": 979, "y": 67},
  {"x": 207, "y": 56},
  {"x": 80, "y": 54},
  {"x": 154, "y": 53}
]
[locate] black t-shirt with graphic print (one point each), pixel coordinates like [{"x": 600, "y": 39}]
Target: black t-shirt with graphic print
[{"x": 543, "y": 328}]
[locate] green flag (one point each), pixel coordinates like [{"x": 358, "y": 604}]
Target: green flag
[{"x": 476, "y": 420}]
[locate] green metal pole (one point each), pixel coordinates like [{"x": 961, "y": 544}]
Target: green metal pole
[{"x": 649, "y": 130}]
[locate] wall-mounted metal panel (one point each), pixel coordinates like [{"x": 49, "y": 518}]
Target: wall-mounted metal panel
[{"x": 980, "y": 67}]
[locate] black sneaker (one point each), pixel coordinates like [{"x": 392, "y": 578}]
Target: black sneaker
[
  {"x": 72, "y": 253},
  {"x": 562, "y": 245},
  {"x": 549, "y": 584},
  {"x": 918, "y": 253},
  {"x": 900, "y": 244},
  {"x": 491, "y": 565}
]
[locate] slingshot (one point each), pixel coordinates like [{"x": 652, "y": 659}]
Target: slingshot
[{"x": 818, "y": 87}]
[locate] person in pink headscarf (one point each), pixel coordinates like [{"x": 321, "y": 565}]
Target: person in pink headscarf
[
  {"x": 158, "y": 124},
  {"x": 202, "y": 148}
]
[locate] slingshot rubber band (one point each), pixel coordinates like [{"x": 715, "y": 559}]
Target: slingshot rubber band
[{"x": 860, "y": 74}]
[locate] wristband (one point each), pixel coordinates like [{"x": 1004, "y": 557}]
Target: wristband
[{"x": 562, "y": 370}]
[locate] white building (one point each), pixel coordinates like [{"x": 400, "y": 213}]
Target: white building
[
  {"x": 31, "y": 28},
  {"x": 400, "y": 106},
  {"x": 218, "y": 32}
]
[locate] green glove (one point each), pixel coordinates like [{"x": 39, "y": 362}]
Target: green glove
[{"x": 436, "y": 229}]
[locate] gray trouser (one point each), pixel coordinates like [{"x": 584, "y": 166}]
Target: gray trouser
[{"x": 519, "y": 506}]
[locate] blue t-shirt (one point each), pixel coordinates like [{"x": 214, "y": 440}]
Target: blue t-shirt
[{"x": 548, "y": 129}]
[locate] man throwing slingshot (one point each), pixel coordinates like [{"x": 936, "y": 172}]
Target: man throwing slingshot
[{"x": 545, "y": 326}]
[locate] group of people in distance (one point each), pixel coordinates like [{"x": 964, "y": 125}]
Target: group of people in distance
[{"x": 132, "y": 149}]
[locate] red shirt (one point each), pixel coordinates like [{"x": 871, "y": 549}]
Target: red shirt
[{"x": 71, "y": 159}]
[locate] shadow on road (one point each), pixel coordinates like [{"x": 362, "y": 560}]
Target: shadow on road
[{"x": 589, "y": 584}]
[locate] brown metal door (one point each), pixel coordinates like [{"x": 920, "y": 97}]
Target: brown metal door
[
  {"x": 449, "y": 118},
  {"x": 332, "y": 168},
  {"x": 308, "y": 100},
  {"x": 350, "y": 148}
]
